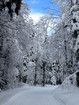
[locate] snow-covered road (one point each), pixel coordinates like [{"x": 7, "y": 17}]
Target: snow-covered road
[
  {"x": 30, "y": 96},
  {"x": 49, "y": 95}
]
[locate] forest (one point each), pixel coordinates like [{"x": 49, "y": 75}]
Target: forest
[
  {"x": 28, "y": 54},
  {"x": 39, "y": 58}
]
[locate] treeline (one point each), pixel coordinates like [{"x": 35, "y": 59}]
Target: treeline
[{"x": 29, "y": 55}]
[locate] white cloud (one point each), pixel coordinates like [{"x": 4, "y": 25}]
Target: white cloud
[{"x": 36, "y": 16}]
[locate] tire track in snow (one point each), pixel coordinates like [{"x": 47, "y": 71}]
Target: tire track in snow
[
  {"x": 61, "y": 102},
  {"x": 34, "y": 96}
]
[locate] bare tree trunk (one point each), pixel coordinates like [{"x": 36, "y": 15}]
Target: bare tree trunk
[
  {"x": 35, "y": 75},
  {"x": 65, "y": 53},
  {"x": 44, "y": 67}
]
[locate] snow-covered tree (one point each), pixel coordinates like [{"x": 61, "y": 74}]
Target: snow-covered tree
[
  {"x": 62, "y": 42},
  {"x": 13, "y": 47}
]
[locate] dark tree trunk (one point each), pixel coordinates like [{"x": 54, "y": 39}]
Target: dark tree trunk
[
  {"x": 35, "y": 76},
  {"x": 43, "y": 80}
]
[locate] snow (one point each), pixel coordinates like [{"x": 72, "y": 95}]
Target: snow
[
  {"x": 76, "y": 47},
  {"x": 48, "y": 95},
  {"x": 68, "y": 92},
  {"x": 74, "y": 1},
  {"x": 74, "y": 8},
  {"x": 67, "y": 96},
  {"x": 29, "y": 95}
]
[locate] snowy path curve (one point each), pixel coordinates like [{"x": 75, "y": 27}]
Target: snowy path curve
[
  {"x": 34, "y": 96},
  {"x": 56, "y": 96}
]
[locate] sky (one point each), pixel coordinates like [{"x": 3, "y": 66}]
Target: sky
[
  {"x": 38, "y": 8},
  {"x": 38, "y": 5}
]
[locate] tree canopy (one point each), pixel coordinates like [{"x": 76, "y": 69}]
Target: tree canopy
[{"x": 10, "y": 5}]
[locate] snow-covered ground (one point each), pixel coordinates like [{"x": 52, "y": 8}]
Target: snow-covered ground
[
  {"x": 68, "y": 92},
  {"x": 49, "y": 95},
  {"x": 67, "y": 96},
  {"x": 29, "y": 95}
]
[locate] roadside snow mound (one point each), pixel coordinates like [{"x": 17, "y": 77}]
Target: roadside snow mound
[
  {"x": 70, "y": 81},
  {"x": 68, "y": 92}
]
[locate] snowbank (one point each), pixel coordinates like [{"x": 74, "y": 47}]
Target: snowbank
[{"x": 68, "y": 92}]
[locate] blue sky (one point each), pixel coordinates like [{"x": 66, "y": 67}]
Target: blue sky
[
  {"x": 40, "y": 5},
  {"x": 38, "y": 9}
]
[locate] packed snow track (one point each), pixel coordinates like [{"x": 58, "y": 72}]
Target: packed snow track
[{"x": 30, "y": 96}]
